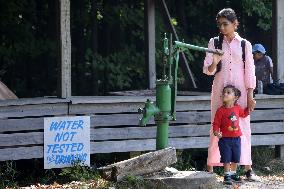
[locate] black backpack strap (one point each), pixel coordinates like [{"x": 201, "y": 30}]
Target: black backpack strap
[
  {"x": 216, "y": 42},
  {"x": 243, "y": 44},
  {"x": 218, "y": 45}
]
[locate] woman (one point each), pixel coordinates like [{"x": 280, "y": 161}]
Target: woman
[{"x": 229, "y": 69}]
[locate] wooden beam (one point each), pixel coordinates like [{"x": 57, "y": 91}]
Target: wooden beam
[
  {"x": 279, "y": 151},
  {"x": 64, "y": 88},
  {"x": 6, "y": 93},
  {"x": 280, "y": 42},
  {"x": 274, "y": 38},
  {"x": 149, "y": 17},
  {"x": 144, "y": 164}
]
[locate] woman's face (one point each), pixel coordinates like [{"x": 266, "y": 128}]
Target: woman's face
[{"x": 225, "y": 26}]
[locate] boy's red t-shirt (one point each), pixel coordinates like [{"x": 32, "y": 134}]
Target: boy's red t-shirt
[{"x": 226, "y": 120}]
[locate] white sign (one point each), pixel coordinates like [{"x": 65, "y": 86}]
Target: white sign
[{"x": 66, "y": 140}]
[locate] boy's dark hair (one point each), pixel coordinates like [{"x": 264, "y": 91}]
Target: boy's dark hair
[{"x": 236, "y": 90}]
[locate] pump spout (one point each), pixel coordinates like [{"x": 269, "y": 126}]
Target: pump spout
[{"x": 148, "y": 112}]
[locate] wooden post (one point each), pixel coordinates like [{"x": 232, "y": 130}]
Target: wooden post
[
  {"x": 280, "y": 35},
  {"x": 278, "y": 49},
  {"x": 279, "y": 151},
  {"x": 64, "y": 83},
  {"x": 149, "y": 17},
  {"x": 274, "y": 38}
]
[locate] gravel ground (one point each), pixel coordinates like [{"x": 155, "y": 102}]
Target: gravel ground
[{"x": 267, "y": 182}]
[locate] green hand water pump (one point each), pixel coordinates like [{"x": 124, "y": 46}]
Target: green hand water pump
[{"x": 164, "y": 110}]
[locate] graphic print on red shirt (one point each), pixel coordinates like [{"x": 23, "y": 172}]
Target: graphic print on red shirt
[{"x": 226, "y": 120}]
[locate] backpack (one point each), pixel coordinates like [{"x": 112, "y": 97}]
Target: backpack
[{"x": 218, "y": 45}]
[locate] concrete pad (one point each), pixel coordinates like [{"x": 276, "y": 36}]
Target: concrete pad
[{"x": 183, "y": 180}]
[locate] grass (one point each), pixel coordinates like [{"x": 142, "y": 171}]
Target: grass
[{"x": 8, "y": 174}]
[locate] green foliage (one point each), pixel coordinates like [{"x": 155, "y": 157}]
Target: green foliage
[
  {"x": 264, "y": 162},
  {"x": 78, "y": 172},
  {"x": 8, "y": 174},
  {"x": 48, "y": 177},
  {"x": 184, "y": 162},
  {"x": 118, "y": 70},
  {"x": 191, "y": 159},
  {"x": 262, "y": 10},
  {"x": 29, "y": 45}
]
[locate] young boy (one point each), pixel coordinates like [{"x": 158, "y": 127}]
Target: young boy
[
  {"x": 226, "y": 128},
  {"x": 263, "y": 65}
]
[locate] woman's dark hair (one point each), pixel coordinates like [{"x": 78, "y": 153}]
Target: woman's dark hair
[
  {"x": 227, "y": 13},
  {"x": 237, "y": 92},
  {"x": 230, "y": 15}
]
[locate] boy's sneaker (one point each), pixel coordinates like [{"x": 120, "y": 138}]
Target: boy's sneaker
[
  {"x": 251, "y": 176},
  {"x": 228, "y": 180},
  {"x": 236, "y": 178}
]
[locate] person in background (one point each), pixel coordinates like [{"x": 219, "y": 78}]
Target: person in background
[{"x": 263, "y": 65}]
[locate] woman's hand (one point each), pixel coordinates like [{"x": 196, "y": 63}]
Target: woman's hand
[
  {"x": 217, "y": 57},
  {"x": 251, "y": 103}
]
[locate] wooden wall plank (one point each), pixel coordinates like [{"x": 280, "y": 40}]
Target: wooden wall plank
[
  {"x": 123, "y": 146},
  {"x": 178, "y": 143},
  {"x": 33, "y": 110},
  {"x": 270, "y": 103},
  {"x": 21, "y": 153},
  {"x": 21, "y": 139},
  {"x": 273, "y": 139},
  {"x": 148, "y": 144},
  {"x": 147, "y": 132},
  {"x": 25, "y": 124},
  {"x": 104, "y": 108},
  {"x": 32, "y": 101},
  {"x": 267, "y": 127}
]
